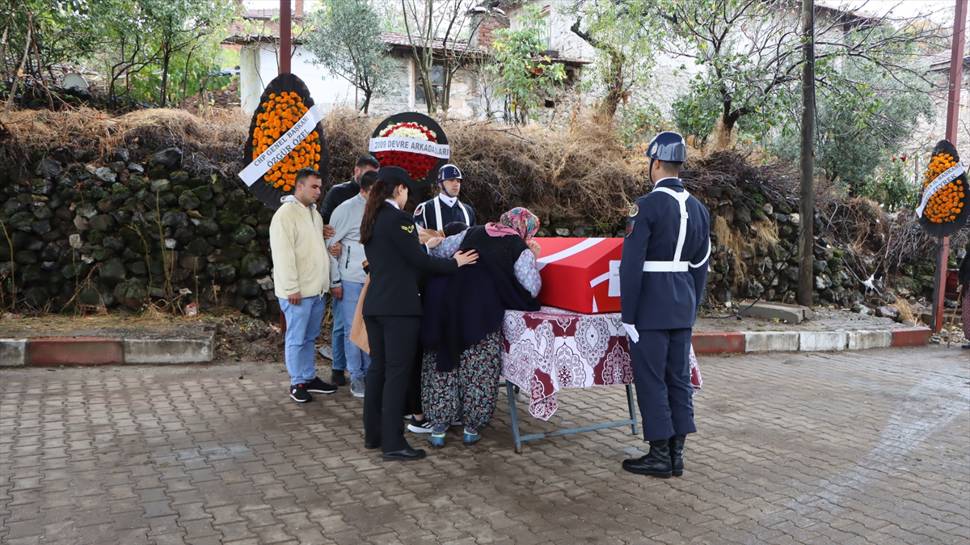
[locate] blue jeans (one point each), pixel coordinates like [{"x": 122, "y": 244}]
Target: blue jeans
[
  {"x": 302, "y": 329},
  {"x": 338, "y": 334},
  {"x": 357, "y": 360}
]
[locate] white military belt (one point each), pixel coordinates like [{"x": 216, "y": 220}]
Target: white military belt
[
  {"x": 666, "y": 266},
  {"x": 676, "y": 265}
]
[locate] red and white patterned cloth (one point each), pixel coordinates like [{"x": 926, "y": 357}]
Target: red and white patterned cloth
[{"x": 546, "y": 351}]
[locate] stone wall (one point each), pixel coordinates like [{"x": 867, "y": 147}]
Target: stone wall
[
  {"x": 123, "y": 233},
  {"x": 143, "y": 226}
]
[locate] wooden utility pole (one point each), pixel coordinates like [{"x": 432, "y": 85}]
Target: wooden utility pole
[
  {"x": 952, "y": 120},
  {"x": 286, "y": 39},
  {"x": 806, "y": 235}
]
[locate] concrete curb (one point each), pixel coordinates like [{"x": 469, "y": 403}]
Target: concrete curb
[
  {"x": 158, "y": 351},
  {"x": 914, "y": 336},
  {"x": 43, "y": 351},
  {"x": 739, "y": 342},
  {"x": 46, "y": 351},
  {"x": 13, "y": 352},
  {"x": 51, "y": 351}
]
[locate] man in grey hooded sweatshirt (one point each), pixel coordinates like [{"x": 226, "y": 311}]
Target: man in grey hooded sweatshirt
[{"x": 349, "y": 264}]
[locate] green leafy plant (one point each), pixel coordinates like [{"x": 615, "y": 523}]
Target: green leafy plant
[
  {"x": 624, "y": 35},
  {"x": 524, "y": 74},
  {"x": 893, "y": 185}
]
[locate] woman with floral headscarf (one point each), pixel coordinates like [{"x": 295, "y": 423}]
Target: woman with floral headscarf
[{"x": 463, "y": 314}]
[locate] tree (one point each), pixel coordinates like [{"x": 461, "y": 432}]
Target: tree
[
  {"x": 148, "y": 50},
  {"x": 128, "y": 45},
  {"x": 346, "y": 38},
  {"x": 40, "y": 34},
  {"x": 861, "y": 125},
  {"x": 441, "y": 33},
  {"x": 748, "y": 52},
  {"x": 184, "y": 30},
  {"x": 623, "y": 34},
  {"x": 524, "y": 74}
]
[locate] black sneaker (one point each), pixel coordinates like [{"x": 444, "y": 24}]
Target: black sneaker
[
  {"x": 317, "y": 386},
  {"x": 420, "y": 426},
  {"x": 299, "y": 393},
  {"x": 338, "y": 378}
]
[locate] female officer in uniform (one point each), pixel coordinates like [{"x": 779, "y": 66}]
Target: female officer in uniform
[{"x": 392, "y": 308}]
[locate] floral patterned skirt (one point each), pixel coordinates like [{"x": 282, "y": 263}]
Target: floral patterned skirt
[{"x": 469, "y": 391}]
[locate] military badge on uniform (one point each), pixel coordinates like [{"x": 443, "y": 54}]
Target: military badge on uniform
[
  {"x": 629, "y": 226},
  {"x": 634, "y": 210},
  {"x": 419, "y": 210},
  {"x": 407, "y": 229}
]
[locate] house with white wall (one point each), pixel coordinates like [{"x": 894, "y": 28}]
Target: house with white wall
[{"x": 471, "y": 97}]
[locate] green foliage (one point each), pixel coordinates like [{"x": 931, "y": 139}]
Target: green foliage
[
  {"x": 346, "y": 38},
  {"x": 697, "y": 111},
  {"x": 60, "y": 32},
  {"x": 184, "y": 33},
  {"x": 893, "y": 185},
  {"x": 871, "y": 90},
  {"x": 639, "y": 121},
  {"x": 156, "y": 51},
  {"x": 860, "y": 124},
  {"x": 750, "y": 57},
  {"x": 624, "y": 34},
  {"x": 523, "y": 74}
]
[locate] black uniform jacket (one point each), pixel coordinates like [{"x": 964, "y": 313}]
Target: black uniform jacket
[{"x": 397, "y": 262}]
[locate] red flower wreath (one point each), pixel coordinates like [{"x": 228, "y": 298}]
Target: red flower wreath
[{"x": 417, "y": 165}]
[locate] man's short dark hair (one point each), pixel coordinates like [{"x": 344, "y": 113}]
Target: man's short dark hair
[
  {"x": 305, "y": 173},
  {"x": 671, "y": 166},
  {"x": 367, "y": 160},
  {"x": 368, "y": 179}
]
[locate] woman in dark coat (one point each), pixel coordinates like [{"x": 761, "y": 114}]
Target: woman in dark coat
[
  {"x": 392, "y": 308},
  {"x": 461, "y": 331}
]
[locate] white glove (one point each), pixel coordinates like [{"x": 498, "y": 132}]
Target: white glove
[{"x": 631, "y": 331}]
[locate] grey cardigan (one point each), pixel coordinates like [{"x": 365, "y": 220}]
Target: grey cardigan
[{"x": 346, "y": 224}]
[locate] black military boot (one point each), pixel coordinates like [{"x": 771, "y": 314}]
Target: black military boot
[
  {"x": 677, "y": 455},
  {"x": 656, "y": 463}
]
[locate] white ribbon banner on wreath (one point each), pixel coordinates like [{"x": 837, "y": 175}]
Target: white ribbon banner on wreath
[
  {"x": 944, "y": 178},
  {"x": 279, "y": 149},
  {"x": 411, "y": 145}
]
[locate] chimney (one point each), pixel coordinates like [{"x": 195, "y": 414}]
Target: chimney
[
  {"x": 489, "y": 23},
  {"x": 298, "y": 9}
]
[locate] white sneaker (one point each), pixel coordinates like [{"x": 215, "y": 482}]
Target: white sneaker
[
  {"x": 357, "y": 388},
  {"x": 420, "y": 427}
]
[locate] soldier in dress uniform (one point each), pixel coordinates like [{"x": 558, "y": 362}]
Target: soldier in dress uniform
[
  {"x": 445, "y": 207},
  {"x": 662, "y": 275}
]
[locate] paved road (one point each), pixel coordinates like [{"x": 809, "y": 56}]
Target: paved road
[{"x": 852, "y": 448}]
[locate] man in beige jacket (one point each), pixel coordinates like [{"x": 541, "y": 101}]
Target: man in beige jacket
[{"x": 301, "y": 276}]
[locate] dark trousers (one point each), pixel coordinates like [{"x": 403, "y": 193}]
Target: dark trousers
[
  {"x": 661, "y": 372},
  {"x": 393, "y": 344},
  {"x": 412, "y": 405}
]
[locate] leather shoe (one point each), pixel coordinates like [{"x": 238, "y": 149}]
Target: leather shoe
[
  {"x": 371, "y": 445},
  {"x": 404, "y": 455},
  {"x": 677, "y": 455},
  {"x": 655, "y": 463}
]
